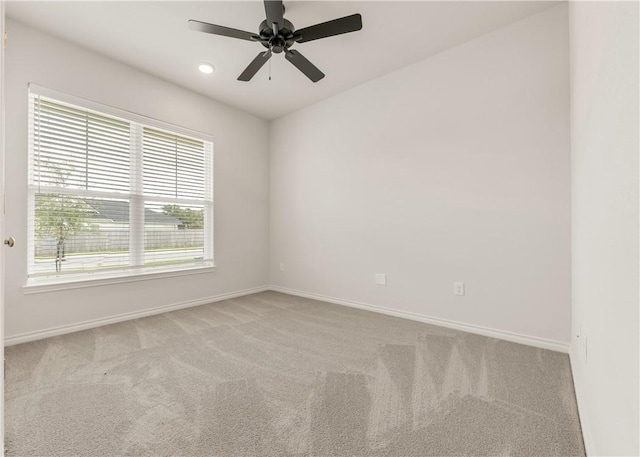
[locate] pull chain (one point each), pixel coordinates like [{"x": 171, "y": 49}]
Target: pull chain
[{"x": 270, "y": 55}]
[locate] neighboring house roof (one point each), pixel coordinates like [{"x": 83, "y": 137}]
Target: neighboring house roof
[{"x": 118, "y": 211}]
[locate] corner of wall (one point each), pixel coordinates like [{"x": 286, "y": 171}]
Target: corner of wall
[{"x": 583, "y": 413}]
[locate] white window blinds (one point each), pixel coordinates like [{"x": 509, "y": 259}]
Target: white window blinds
[
  {"x": 110, "y": 194},
  {"x": 173, "y": 165},
  {"x": 79, "y": 149}
]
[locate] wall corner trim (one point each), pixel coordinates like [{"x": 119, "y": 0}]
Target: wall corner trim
[
  {"x": 61, "y": 330},
  {"x": 559, "y": 346},
  {"x": 578, "y": 387}
]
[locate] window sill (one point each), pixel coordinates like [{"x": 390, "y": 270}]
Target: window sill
[{"x": 36, "y": 286}]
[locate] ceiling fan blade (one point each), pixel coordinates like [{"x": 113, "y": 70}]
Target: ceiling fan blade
[
  {"x": 302, "y": 64},
  {"x": 345, "y": 24},
  {"x": 223, "y": 31},
  {"x": 255, "y": 65},
  {"x": 275, "y": 12}
]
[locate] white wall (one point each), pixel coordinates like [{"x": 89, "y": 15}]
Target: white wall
[
  {"x": 241, "y": 181},
  {"x": 605, "y": 146},
  {"x": 454, "y": 168}
]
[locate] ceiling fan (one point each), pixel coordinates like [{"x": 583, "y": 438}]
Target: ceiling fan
[{"x": 278, "y": 35}]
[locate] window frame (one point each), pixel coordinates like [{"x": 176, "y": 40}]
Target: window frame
[{"x": 136, "y": 196}]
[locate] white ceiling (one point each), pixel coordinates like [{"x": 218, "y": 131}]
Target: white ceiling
[{"x": 153, "y": 36}]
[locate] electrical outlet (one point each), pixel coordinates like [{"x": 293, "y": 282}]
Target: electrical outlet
[
  {"x": 282, "y": 267},
  {"x": 381, "y": 279},
  {"x": 458, "y": 288}
]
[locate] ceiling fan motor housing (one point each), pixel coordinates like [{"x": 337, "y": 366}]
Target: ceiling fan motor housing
[{"x": 277, "y": 43}]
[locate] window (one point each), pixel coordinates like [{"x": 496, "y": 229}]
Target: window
[{"x": 114, "y": 194}]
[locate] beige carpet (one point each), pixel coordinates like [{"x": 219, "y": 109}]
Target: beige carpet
[{"x": 275, "y": 375}]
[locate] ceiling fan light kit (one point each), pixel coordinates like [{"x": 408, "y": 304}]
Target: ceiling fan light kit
[{"x": 278, "y": 35}]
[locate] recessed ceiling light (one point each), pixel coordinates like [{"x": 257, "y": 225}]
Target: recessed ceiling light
[{"x": 206, "y": 68}]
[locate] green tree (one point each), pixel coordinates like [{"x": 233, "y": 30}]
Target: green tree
[
  {"x": 190, "y": 218},
  {"x": 61, "y": 216}
]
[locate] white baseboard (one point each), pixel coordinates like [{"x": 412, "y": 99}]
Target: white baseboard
[
  {"x": 559, "y": 346},
  {"x": 54, "y": 331},
  {"x": 493, "y": 333},
  {"x": 587, "y": 437}
]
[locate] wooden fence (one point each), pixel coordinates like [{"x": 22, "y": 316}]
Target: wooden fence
[{"x": 118, "y": 240}]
